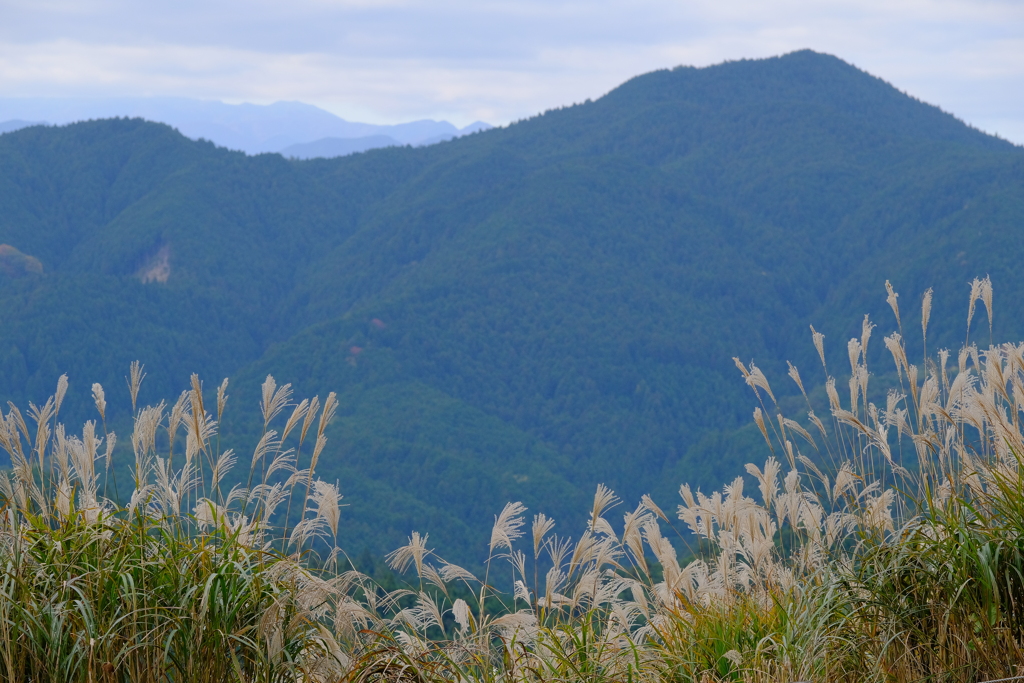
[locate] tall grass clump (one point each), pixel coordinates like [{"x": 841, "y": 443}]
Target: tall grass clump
[
  {"x": 883, "y": 541},
  {"x": 187, "y": 581}
]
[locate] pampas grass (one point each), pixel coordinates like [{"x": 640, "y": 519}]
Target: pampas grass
[{"x": 885, "y": 543}]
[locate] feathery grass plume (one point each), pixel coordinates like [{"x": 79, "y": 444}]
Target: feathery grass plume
[
  {"x": 330, "y": 407},
  {"x": 100, "y": 400},
  {"x": 62, "y": 388},
  {"x": 267, "y": 444},
  {"x": 819, "y": 343},
  {"x": 507, "y": 526},
  {"x": 461, "y": 613},
  {"x": 410, "y": 554},
  {"x": 926, "y": 314},
  {"x": 976, "y": 294},
  {"x": 297, "y": 414},
  {"x": 542, "y": 525},
  {"x": 274, "y": 399},
  {"x": 604, "y": 497},
  {"x": 866, "y": 328},
  {"x": 649, "y": 504},
  {"x": 311, "y": 412},
  {"x": 222, "y": 398},
  {"x": 894, "y": 343},
  {"x": 327, "y": 499},
  {"x": 853, "y": 348},
  {"x": 891, "y": 299},
  {"x": 795, "y": 376},
  {"x": 134, "y": 380},
  {"x": 986, "y": 298},
  {"x": 759, "y": 421},
  {"x": 221, "y": 467},
  {"x": 756, "y": 379}
]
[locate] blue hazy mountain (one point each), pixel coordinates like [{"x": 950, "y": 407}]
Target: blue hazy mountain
[
  {"x": 250, "y": 128},
  {"x": 327, "y": 148},
  {"x": 17, "y": 124}
]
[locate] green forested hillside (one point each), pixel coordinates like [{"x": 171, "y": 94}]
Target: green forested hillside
[{"x": 518, "y": 314}]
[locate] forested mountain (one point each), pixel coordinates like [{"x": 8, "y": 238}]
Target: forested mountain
[{"x": 521, "y": 313}]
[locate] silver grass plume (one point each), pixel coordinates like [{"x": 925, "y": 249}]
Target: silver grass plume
[
  {"x": 270, "y": 497},
  {"x": 412, "y": 553},
  {"x": 819, "y": 343},
  {"x": 632, "y": 534},
  {"x": 327, "y": 499},
  {"x": 100, "y": 400},
  {"x": 755, "y": 378},
  {"x": 62, "y": 388},
  {"x": 558, "y": 550},
  {"x": 926, "y": 312},
  {"x": 330, "y": 406},
  {"x": 225, "y": 461},
  {"x": 976, "y": 294},
  {"x": 452, "y": 572},
  {"x": 853, "y": 347},
  {"x": 108, "y": 456},
  {"x": 222, "y": 398},
  {"x": 134, "y": 380},
  {"x": 177, "y": 416},
  {"x": 604, "y": 497},
  {"x": 866, "y": 327},
  {"x": 894, "y": 342},
  {"x": 19, "y": 421},
  {"x": 507, "y": 526},
  {"x": 542, "y": 524},
  {"x": 60, "y": 452},
  {"x": 321, "y": 441},
  {"x": 144, "y": 440},
  {"x": 986, "y": 298},
  {"x": 297, "y": 414},
  {"x": 795, "y": 376},
  {"x": 649, "y": 504},
  {"x": 41, "y": 416},
  {"x": 891, "y": 299},
  {"x": 759, "y": 420},
  {"x": 742, "y": 368},
  {"x": 274, "y": 399},
  {"x": 461, "y": 614},
  {"x": 795, "y": 426},
  {"x": 431, "y": 575},
  {"x": 267, "y": 443},
  {"x": 283, "y": 460},
  {"x": 311, "y": 411},
  {"x": 768, "y": 480},
  {"x": 518, "y": 561},
  {"x": 196, "y": 399}
]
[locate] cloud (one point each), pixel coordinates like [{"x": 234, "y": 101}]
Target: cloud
[{"x": 392, "y": 60}]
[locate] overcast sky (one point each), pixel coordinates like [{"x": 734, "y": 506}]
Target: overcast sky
[{"x": 386, "y": 61}]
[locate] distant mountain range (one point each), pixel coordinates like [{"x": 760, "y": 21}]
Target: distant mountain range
[
  {"x": 518, "y": 314},
  {"x": 17, "y": 124},
  {"x": 327, "y": 148},
  {"x": 254, "y": 129}
]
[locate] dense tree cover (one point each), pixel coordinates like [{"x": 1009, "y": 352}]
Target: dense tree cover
[{"x": 520, "y": 313}]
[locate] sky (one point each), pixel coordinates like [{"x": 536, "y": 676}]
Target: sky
[{"x": 388, "y": 61}]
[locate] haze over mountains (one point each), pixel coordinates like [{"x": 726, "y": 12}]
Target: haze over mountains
[
  {"x": 293, "y": 128},
  {"x": 522, "y": 313}
]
